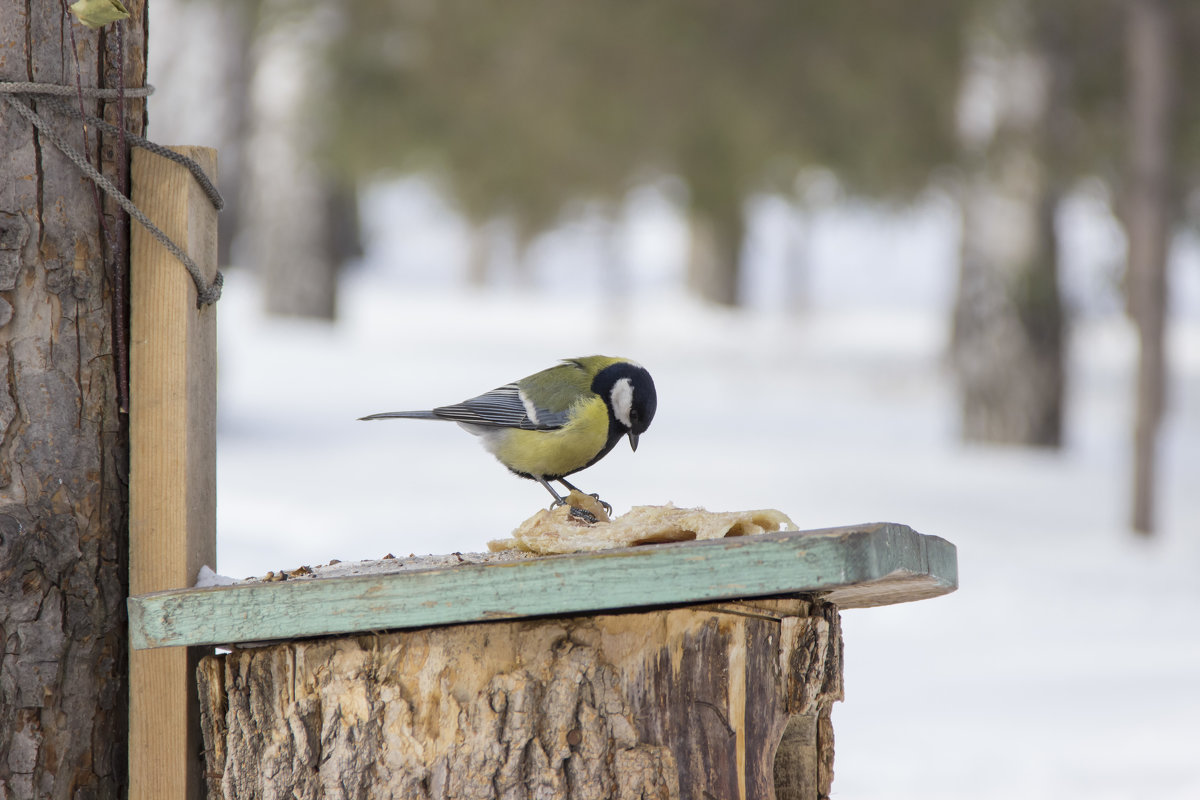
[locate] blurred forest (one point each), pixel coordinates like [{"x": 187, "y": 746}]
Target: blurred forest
[{"x": 523, "y": 112}]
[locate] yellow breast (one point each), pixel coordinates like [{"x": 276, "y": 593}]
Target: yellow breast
[{"x": 559, "y": 452}]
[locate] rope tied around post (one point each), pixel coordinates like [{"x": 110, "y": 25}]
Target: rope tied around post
[{"x": 49, "y": 93}]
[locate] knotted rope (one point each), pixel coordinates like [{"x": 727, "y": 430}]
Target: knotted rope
[{"x": 13, "y": 93}]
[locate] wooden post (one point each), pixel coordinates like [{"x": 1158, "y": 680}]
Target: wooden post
[
  {"x": 727, "y": 700},
  {"x": 172, "y": 472}
]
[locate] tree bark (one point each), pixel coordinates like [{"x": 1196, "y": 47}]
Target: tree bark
[
  {"x": 1008, "y": 335},
  {"x": 1148, "y": 226},
  {"x": 721, "y": 701},
  {"x": 63, "y": 446}
]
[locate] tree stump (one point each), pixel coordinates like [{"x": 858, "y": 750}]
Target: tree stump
[{"x": 727, "y": 700}]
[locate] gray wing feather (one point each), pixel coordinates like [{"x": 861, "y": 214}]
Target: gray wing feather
[{"x": 501, "y": 408}]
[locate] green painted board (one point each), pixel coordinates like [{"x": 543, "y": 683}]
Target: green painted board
[{"x": 854, "y": 567}]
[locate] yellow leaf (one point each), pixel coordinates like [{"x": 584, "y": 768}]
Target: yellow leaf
[{"x": 98, "y": 13}]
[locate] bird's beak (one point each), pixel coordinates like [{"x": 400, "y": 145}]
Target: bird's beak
[{"x": 633, "y": 437}]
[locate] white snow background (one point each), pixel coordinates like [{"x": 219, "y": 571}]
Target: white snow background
[{"x": 1067, "y": 665}]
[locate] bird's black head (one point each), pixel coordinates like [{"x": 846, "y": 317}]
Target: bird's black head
[{"x": 628, "y": 390}]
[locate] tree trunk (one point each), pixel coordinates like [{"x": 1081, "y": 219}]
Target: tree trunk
[
  {"x": 289, "y": 227},
  {"x": 714, "y": 256},
  {"x": 63, "y": 446},
  {"x": 1148, "y": 227},
  {"x": 240, "y": 22},
  {"x": 479, "y": 254},
  {"x": 711, "y": 168},
  {"x": 292, "y": 233},
  {"x": 725, "y": 701},
  {"x": 1008, "y": 336}
]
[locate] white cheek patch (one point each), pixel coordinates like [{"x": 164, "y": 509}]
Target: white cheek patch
[
  {"x": 622, "y": 401},
  {"x": 530, "y": 408}
]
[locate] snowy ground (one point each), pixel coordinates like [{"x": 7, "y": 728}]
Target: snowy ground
[{"x": 1066, "y": 666}]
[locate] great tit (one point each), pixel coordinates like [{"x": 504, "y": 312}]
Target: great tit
[{"x": 558, "y": 421}]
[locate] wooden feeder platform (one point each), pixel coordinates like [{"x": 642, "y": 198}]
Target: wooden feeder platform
[
  {"x": 850, "y": 567},
  {"x": 685, "y": 670}
]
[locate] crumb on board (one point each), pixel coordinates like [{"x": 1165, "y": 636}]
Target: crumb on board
[{"x": 346, "y": 569}]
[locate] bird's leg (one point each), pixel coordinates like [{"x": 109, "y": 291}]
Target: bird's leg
[
  {"x": 573, "y": 488},
  {"x": 558, "y": 499}
]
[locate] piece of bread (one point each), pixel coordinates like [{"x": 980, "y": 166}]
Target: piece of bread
[{"x": 582, "y": 525}]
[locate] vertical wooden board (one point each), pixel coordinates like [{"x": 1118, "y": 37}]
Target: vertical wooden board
[
  {"x": 173, "y": 376},
  {"x": 172, "y": 484}
]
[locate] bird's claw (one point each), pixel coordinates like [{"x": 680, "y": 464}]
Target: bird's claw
[{"x": 608, "y": 509}]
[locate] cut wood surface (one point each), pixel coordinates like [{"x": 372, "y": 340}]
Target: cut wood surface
[
  {"x": 852, "y": 567},
  {"x": 727, "y": 701}
]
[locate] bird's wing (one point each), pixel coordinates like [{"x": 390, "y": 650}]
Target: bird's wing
[{"x": 505, "y": 407}]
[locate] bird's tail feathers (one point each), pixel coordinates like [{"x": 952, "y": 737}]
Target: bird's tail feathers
[{"x": 402, "y": 415}]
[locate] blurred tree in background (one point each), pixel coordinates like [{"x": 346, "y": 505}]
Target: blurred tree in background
[
  {"x": 285, "y": 211},
  {"x": 1162, "y": 37},
  {"x": 1070, "y": 89},
  {"x": 1023, "y": 143}
]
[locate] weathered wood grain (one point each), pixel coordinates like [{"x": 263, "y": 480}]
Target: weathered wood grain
[
  {"x": 726, "y": 701},
  {"x": 857, "y": 566},
  {"x": 63, "y": 446},
  {"x": 172, "y": 471}
]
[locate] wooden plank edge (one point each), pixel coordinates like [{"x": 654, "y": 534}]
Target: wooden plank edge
[
  {"x": 925, "y": 567},
  {"x": 898, "y": 562}
]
